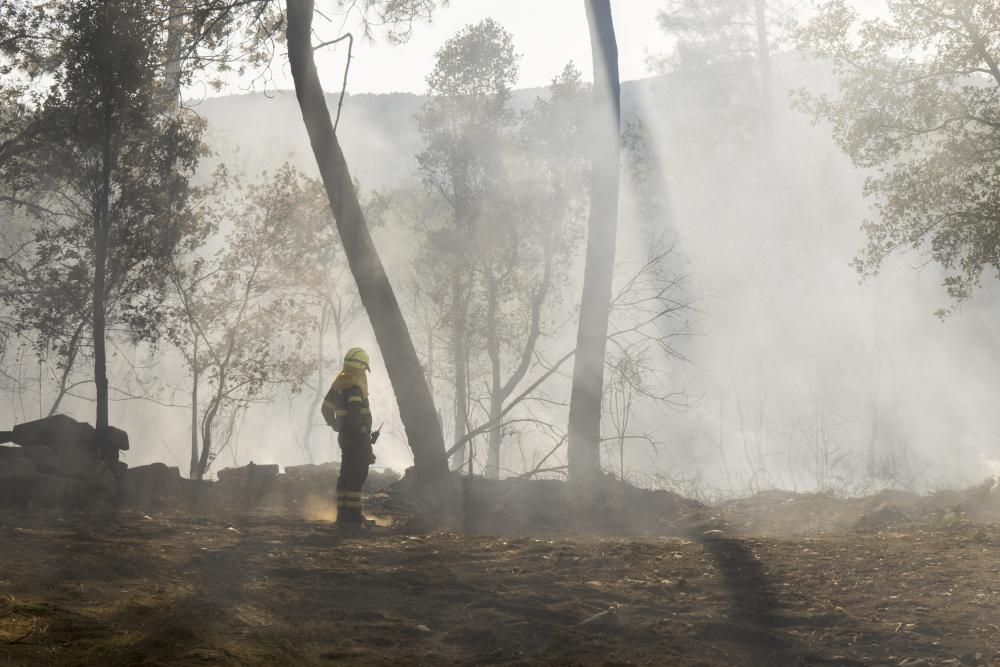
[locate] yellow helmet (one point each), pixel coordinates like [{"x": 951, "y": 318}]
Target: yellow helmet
[{"x": 357, "y": 359}]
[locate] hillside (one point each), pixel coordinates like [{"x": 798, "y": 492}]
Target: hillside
[{"x": 378, "y": 133}]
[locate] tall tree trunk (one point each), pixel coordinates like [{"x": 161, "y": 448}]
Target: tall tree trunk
[
  {"x": 100, "y": 350},
  {"x": 175, "y": 49},
  {"x": 875, "y": 435},
  {"x": 459, "y": 360},
  {"x": 588, "y": 367},
  {"x": 193, "y": 471},
  {"x": 102, "y": 229},
  {"x": 501, "y": 391},
  {"x": 496, "y": 397},
  {"x": 764, "y": 63},
  {"x": 206, "y": 427},
  {"x": 416, "y": 405}
]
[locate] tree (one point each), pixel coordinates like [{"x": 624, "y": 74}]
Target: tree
[
  {"x": 21, "y": 60},
  {"x": 397, "y": 16},
  {"x": 710, "y": 32},
  {"x": 733, "y": 40},
  {"x": 236, "y": 316},
  {"x": 416, "y": 405},
  {"x": 533, "y": 244},
  {"x": 588, "y": 367},
  {"x": 512, "y": 183},
  {"x": 465, "y": 124},
  {"x": 918, "y": 106},
  {"x": 104, "y": 173}
]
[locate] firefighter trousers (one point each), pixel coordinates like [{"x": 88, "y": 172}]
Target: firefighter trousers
[{"x": 355, "y": 457}]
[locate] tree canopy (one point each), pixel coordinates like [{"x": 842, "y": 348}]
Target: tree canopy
[{"x": 918, "y": 107}]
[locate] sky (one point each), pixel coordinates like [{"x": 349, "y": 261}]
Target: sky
[{"x": 546, "y": 33}]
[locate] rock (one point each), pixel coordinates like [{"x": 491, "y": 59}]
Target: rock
[
  {"x": 150, "y": 485},
  {"x": 63, "y": 431},
  {"x": 19, "y": 468},
  {"x": 43, "y": 456},
  {"x": 971, "y": 658},
  {"x": 882, "y": 517},
  {"x": 249, "y": 473},
  {"x": 17, "y": 476},
  {"x": 76, "y": 462},
  {"x": 11, "y": 452},
  {"x": 423, "y": 628},
  {"x": 118, "y": 439},
  {"x": 55, "y": 491},
  {"x": 103, "y": 479},
  {"x": 313, "y": 469},
  {"x": 914, "y": 662},
  {"x": 57, "y": 431}
]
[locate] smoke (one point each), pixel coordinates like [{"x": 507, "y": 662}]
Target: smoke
[
  {"x": 787, "y": 370},
  {"x": 806, "y": 376}
]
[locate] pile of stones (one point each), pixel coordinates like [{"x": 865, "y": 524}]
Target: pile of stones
[{"x": 59, "y": 461}]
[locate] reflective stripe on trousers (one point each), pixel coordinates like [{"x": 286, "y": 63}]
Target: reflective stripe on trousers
[{"x": 349, "y": 499}]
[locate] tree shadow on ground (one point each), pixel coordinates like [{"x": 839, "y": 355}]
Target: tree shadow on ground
[{"x": 755, "y": 616}]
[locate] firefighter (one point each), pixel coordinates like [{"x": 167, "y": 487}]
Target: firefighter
[{"x": 346, "y": 409}]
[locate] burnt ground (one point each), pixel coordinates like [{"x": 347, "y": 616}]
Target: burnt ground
[{"x": 128, "y": 588}]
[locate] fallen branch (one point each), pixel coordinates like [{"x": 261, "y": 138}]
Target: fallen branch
[
  {"x": 538, "y": 468},
  {"x": 22, "y": 637}
]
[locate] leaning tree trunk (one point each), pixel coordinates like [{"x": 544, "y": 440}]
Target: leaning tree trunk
[
  {"x": 416, "y": 405},
  {"x": 588, "y": 368}
]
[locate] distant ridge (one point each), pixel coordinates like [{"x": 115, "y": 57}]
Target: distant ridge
[{"x": 253, "y": 132}]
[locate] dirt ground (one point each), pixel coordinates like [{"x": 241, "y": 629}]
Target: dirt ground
[{"x": 130, "y": 588}]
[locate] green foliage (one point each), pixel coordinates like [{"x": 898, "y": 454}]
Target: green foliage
[
  {"x": 219, "y": 37},
  {"x": 717, "y": 74},
  {"x": 513, "y": 187},
  {"x": 464, "y": 121},
  {"x": 549, "y": 173},
  {"x": 238, "y": 315},
  {"x": 919, "y": 107},
  {"x": 648, "y": 178},
  {"x": 397, "y": 16},
  {"x": 708, "y": 33},
  {"x": 102, "y": 117},
  {"x": 512, "y": 182}
]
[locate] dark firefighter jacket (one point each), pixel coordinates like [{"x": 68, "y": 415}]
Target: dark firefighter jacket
[{"x": 345, "y": 407}]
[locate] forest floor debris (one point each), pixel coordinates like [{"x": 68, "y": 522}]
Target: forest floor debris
[{"x": 277, "y": 588}]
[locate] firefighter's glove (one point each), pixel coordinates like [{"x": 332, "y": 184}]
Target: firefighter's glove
[{"x": 371, "y": 458}]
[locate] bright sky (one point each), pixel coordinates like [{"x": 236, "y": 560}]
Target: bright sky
[{"x": 547, "y": 34}]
